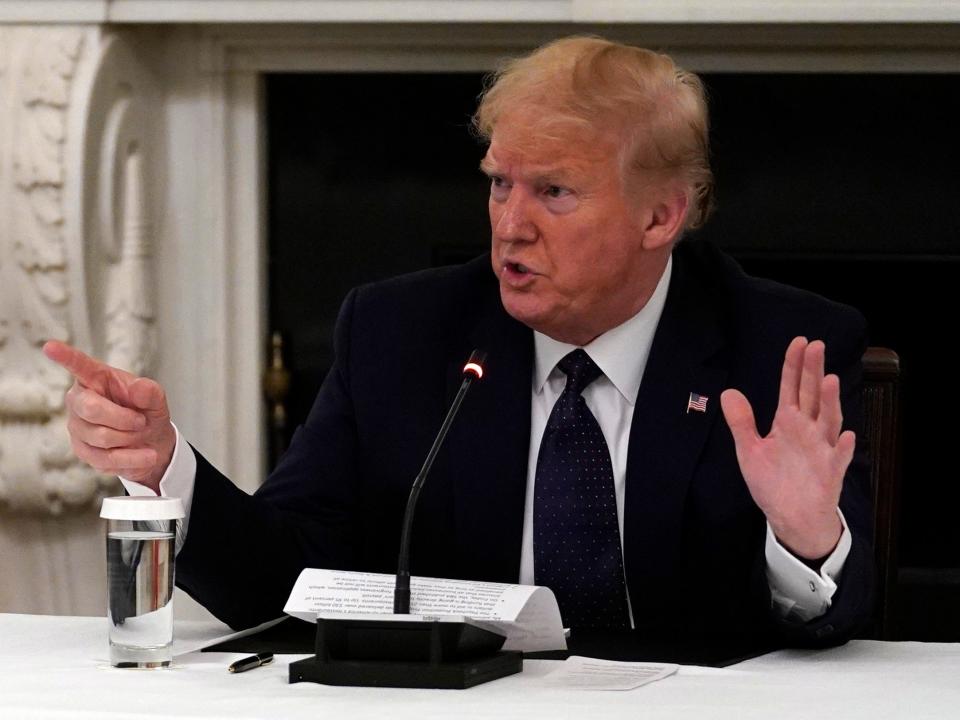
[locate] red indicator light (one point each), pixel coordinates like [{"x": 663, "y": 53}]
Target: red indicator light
[{"x": 472, "y": 367}]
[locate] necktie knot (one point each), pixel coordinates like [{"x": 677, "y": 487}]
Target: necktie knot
[{"x": 579, "y": 369}]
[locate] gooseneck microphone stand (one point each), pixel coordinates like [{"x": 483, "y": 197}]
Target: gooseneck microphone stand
[{"x": 473, "y": 370}]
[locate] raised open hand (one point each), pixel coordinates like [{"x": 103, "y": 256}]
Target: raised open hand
[
  {"x": 118, "y": 423},
  {"x": 795, "y": 473}
]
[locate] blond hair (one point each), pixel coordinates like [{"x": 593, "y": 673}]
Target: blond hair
[{"x": 593, "y": 84}]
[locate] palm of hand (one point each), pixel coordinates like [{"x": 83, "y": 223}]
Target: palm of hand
[{"x": 795, "y": 473}]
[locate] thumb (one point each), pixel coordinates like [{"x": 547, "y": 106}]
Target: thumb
[
  {"x": 846, "y": 444},
  {"x": 739, "y": 416},
  {"x": 147, "y": 395}
]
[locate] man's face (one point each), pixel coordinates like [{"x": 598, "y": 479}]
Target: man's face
[{"x": 566, "y": 242}]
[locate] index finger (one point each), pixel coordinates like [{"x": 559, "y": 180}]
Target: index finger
[{"x": 84, "y": 368}]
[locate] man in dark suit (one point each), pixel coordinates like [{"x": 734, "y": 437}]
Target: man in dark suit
[{"x": 609, "y": 346}]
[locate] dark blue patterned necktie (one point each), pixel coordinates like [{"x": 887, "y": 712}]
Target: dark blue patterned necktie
[{"x": 576, "y": 540}]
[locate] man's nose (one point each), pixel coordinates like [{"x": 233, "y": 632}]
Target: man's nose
[{"x": 515, "y": 223}]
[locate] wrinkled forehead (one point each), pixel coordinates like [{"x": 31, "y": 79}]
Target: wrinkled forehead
[{"x": 544, "y": 140}]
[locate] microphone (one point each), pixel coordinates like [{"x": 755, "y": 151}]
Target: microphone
[
  {"x": 473, "y": 370},
  {"x": 377, "y": 651}
]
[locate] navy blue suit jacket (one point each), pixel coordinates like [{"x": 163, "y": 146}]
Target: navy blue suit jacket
[{"x": 693, "y": 539}]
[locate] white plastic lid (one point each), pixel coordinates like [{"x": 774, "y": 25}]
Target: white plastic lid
[{"x": 142, "y": 507}]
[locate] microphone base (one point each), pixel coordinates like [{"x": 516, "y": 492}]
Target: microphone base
[
  {"x": 405, "y": 653},
  {"x": 391, "y": 673}
]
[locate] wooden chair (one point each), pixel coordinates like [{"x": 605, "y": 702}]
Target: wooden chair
[{"x": 881, "y": 404}]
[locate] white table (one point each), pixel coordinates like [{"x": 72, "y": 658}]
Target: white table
[{"x": 56, "y": 667}]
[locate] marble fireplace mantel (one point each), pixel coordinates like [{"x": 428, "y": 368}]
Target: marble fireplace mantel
[
  {"x": 132, "y": 195},
  {"x": 509, "y": 11}
]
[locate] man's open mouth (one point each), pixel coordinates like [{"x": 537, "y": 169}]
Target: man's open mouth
[{"x": 519, "y": 268}]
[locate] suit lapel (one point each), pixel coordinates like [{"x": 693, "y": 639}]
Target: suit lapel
[
  {"x": 488, "y": 446},
  {"x": 666, "y": 440}
]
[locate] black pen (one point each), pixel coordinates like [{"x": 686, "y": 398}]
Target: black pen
[{"x": 249, "y": 663}]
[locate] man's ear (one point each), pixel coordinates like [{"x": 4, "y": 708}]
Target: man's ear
[{"x": 665, "y": 221}]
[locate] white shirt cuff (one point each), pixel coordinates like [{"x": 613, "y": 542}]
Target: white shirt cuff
[
  {"x": 797, "y": 591},
  {"x": 177, "y": 481}
]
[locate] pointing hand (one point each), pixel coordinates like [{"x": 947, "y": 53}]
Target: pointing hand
[{"x": 118, "y": 423}]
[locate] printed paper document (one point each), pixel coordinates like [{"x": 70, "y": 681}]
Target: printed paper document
[
  {"x": 528, "y": 616},
  {"x": 592, "y": 674}
]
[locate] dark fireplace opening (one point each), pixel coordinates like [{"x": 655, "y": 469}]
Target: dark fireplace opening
[{"x": 841, "y": 184}]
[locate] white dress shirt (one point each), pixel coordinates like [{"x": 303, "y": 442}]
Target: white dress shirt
[{"x": 621, "y": 353}]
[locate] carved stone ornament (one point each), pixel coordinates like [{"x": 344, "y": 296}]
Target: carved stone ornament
[{"x": 74, "y": 245}]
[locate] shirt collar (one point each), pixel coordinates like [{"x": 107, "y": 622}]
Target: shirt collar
[{"x": 621, "y": 352}]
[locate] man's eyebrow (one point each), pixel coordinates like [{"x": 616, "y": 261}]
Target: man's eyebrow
[
  {"x": 554, "y": 175},
  {"x": 549, "y": 175}
]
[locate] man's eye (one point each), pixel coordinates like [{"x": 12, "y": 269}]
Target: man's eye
[
  {"x": 499, "y": 188},
  {"x": 556, "y": 191}
]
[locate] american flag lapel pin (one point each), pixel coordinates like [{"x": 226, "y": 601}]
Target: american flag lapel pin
[{"x": 697, "y": 403}]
